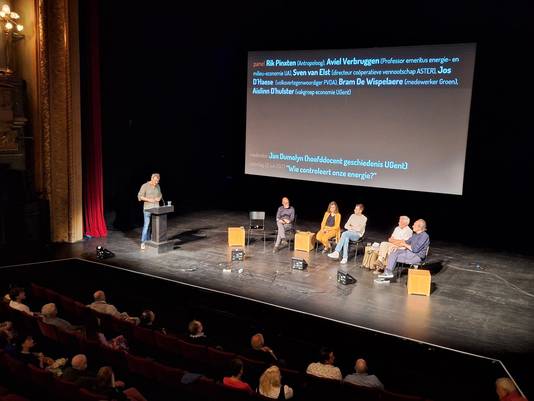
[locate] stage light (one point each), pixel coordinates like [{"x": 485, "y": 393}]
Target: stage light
[
  {"x": 345, "y": 278},
  {"x": 238, "y": 255},
  {"x": 298, "y": 263},
  {"x": 103, "y": 253}
]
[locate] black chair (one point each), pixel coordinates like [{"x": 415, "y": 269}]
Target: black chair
[
  {"x": 256, "y": 225},
  {"x": 357, "y": 243}
]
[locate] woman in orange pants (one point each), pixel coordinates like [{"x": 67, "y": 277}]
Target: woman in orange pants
[{"x": 329, "y": 226}]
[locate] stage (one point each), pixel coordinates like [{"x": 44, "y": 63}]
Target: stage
[{"x": 481, "y": 301}]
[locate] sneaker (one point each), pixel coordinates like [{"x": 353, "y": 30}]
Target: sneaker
[
  {"x": 276, "y": 249},
  {"x": 326, "y": 250},
  {"x": 143, "y": 246},
  {"x": 334, "y": 255},
  {"x": 343, "y": 261},
  {"x": 385, "y": 275},
  {"x": 284, "y": 242}
]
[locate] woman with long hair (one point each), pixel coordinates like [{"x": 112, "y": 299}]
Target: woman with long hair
[
  {"x": 271, "y": 385},
  {"x": 329, "y": 226}
]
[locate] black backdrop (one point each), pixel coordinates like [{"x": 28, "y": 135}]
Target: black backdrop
[{"x": 174, "y": 101}]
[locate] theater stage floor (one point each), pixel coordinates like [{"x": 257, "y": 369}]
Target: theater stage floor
[{"x": 481, "y": 302}]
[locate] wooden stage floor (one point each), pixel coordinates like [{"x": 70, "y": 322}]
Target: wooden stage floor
[{"x": 481, "y": 301}]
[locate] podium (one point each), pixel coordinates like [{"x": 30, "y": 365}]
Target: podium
[{"x": 158, "y": 238}]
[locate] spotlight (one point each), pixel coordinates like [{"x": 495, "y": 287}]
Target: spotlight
[
  {"x": 298, "y": 263},
  {"x": 103, "y": 253},
  {"x": 345, "y": 278}
]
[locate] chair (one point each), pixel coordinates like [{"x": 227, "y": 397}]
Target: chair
[
  {"x": 357, "y": 243},
  {"x": 256, "y": 225},
  {"x": 401, "y": 267}
]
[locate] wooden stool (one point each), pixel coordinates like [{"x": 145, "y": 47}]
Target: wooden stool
[
  {"x": 236, "y": 236},
  {"x": 419, "y": 282},
  {"x": 304, "y": 241}
]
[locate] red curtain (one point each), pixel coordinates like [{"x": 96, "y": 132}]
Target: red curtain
[{"x": 93, "y": 188}]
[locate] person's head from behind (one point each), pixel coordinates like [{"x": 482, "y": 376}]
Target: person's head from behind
[
  {"x": 271, "y": 378},
  {"x": 49, "y": 310},
  {"x": 326, "y": 356},
  {"x": 99, "y": 296},
  {"x": 195, "y": 327},
  {"x": 154, "y": 179},
  {"x": 285, "y": 202},
  {"x": 147, "y": 317},
  {"x": 79, "y": 362},
  {"x": 504, "y": 386},
  {"x": 236, "y": 368},
  {"x": 17, "y": 294},
  {"x": 257, "y": 341},
  {"x": 358, "y": 209},
  {"x": 360, "y": 366},
  {"x": 104, "y": 377},
  {"x": 332, "y": 207},
  {"x": 404, "y": 221}
]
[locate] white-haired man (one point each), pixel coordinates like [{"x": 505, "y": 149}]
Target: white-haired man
[
  {"x": 412, "y": 251},
  {"x": 402, "y": 232},
  {"x": 150, "y": 194}
]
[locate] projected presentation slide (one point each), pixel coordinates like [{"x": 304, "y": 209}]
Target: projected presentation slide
[{"x": 379, "y": 117}]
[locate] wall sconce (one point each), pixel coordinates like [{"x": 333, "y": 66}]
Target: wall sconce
[{"x": 12, "y": 29}]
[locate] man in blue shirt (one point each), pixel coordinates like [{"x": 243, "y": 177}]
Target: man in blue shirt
[{"x": 413, "y": 250}]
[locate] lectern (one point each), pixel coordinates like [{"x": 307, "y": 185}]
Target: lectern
[{"x": 158, "y": 238}]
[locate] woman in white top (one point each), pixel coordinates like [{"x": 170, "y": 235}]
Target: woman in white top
[{"x": 271, "y": 385}]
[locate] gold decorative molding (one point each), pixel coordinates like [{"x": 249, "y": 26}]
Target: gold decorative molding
[{"x": 59, "y": 145}]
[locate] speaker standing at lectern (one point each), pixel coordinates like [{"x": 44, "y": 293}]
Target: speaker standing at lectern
[{"x": 150, "y": 194}]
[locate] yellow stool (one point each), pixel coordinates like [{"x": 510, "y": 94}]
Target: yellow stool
[
  {"x": 304, "y": 241},
  {"x": 419, "y": 282},
  {"x": 236, "y": 236}
]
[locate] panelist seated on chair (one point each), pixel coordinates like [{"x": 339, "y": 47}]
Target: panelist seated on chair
[
  {"x": 329, "y": 226},
  {"x": 285, "y": 217},
  {"x": 412, "y": 251},
  {"x": 355, "y": 229},
  {"x": 402, "y": 232}
]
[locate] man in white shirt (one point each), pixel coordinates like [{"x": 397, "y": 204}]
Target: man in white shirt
[
  {"x": 355, "y": 229},
  {"x": 401, "y": 233}
]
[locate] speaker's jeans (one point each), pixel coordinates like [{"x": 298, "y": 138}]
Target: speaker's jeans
[{"x": 145, "y": 235}]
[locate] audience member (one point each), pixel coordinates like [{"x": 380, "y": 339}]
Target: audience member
[
  {"x": 147, "y": 319},
  {"x": 507, "y": 391},
  {"x": 285, "y": 216},
  {"x": 100, "y": 305},
  {"x": 271, "y": 385},
  {"x": 362, "y": 378},
  {"x": 17, "y": 295},
  {"x": 329, "y": 226},
  {"x": 77, "y": 373},
  {"x": 49, "y": 312},
  {"x": 355, "y": 229},
  {"x": 112, "y": 389},
  {"x": 325, "y": 367},
  {"x": 402, "y": 232},
  {"x": 413, "y": 250},
  {"x": 196, "y": 333},
  {"x": 234, "y": 380},
  {"x": 259, "y": 351},
  {"x": 8, "y": 336}
]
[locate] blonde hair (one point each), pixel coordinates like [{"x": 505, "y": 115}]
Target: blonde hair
[
  {"x": 330, "y": 204},
  {"x": 270, "y": 379}
]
